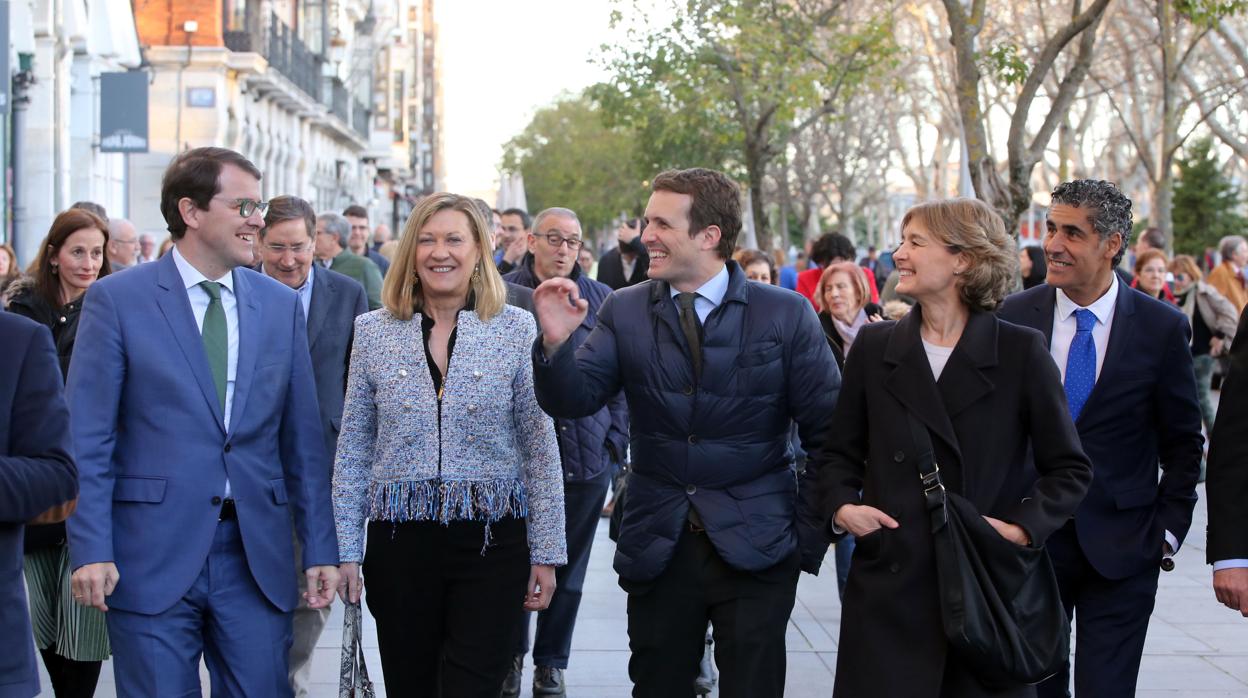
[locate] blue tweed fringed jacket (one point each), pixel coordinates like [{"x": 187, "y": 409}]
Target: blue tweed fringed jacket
[{"x": 492, "y": 454}]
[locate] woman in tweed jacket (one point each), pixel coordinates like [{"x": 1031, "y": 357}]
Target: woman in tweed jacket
[{"x": 456, "y": 478}]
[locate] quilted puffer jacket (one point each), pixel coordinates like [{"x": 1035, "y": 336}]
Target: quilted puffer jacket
[{"x": 719, "y": 443}]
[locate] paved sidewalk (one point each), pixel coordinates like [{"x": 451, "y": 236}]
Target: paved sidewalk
[{"x": 1196, "y": 648}]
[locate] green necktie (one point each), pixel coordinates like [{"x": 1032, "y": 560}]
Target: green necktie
[{"x": 216, "y": 341}]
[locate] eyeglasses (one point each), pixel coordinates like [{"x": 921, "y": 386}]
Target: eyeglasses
[
  {"x": 299, "y": 249},
  {"x": 555, "y": 241},
  {"x": 246, "y": 207}
]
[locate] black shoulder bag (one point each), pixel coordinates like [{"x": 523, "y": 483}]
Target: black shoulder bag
[{"x": 999, "y": 601}]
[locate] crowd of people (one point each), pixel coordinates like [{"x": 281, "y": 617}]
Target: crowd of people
[{"x": 204, "y": 445}]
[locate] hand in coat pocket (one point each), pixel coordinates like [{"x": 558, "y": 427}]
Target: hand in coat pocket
[{"x": 1011, "y": 532}]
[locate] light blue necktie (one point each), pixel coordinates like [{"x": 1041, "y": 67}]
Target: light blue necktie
[{"x": 1081, "y": 363}]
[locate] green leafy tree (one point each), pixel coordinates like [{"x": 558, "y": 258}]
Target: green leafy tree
[
  {"x": 1205, "y": 201},
  {"x": 569, "y": 157},
  {"x": 728, "y": 83}
]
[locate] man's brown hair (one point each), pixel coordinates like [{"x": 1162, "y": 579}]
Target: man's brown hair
[
  {"x": 716, "y": 201},
  {"x": 288, "y": 208},
  {"x": 196, "y": 175}
]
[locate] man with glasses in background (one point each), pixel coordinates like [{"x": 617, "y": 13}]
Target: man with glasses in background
[
  {"x": 333, "y": 233},
  {"x": 590, "y": 448},
  {"x": 186, "y": 471},
  {"x": 330, "y": 302},
  {"x": 358, "y": 240}
]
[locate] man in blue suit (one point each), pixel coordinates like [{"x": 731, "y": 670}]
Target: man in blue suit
[
  {"x": 36, "y": 473},
  {"x": 330, "y": 301},
  {"x": 187, "y": 472},
  {"x": 1126, "y": 366}
]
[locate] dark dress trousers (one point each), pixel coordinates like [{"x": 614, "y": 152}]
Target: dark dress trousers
[
  {"x": 998, "y": 396},
  {"x": 587, "y": 449},
  {"x": 336, "y": 300},
  {"x": 36, "y": 473},
  {"x": 611, "y": 267},
  {"x": 1142, "y": 413},
  {"x": 1227, "y": 485}
]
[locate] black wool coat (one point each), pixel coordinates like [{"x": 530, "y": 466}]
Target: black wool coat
[{"x": 999, "y": 394}]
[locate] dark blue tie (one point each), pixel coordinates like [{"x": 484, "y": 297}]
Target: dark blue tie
[{"x": 1081, "y": 363}]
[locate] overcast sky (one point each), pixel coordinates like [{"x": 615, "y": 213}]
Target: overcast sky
[{"x": 501, "y": 61}]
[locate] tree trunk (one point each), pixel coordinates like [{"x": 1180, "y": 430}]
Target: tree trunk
[
  {"x": 1161, "y": 217},
  {"x": 755, "y": 168}
]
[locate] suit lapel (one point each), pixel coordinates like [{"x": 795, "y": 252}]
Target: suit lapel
[
  {"x": 1119, "y": 338},
  {"x": 1040, "y": 316},
  {"x": 323, "y": 290},
  {"x": 962, "y": 383},
  {"x": 911, "y": 380},
  {"x": 175, "y": 305},
  {"x": 250, "y": 319}
]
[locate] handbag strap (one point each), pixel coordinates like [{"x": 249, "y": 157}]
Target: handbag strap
[{"x": 934, "y": 494}]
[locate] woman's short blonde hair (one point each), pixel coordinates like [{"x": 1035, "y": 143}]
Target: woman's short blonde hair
[
  {"x": 1186, "y": 264},
  {"x": 857, "y": 277},
  {"x": 971, "y": 227},
  {"x": 401, "y": 294}
]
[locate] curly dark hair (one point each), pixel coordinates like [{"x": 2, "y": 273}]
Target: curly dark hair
[
  {"x": 830, "y": 247},
  {"x": 1111, "y": 208}
]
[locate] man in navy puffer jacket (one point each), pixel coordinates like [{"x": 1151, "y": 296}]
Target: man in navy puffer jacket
[
  {"x": 589, "y": 448},
  {"x": 715, "y": 369}
]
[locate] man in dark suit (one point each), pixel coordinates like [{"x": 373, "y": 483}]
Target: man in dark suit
[
  {"x": 715, "y": 371},
  {"x": 331, "y": 302},
  {"x": 36, "y": 473},
  {"x": 588, "y": 447},
  {"x": 332, "y": 234},
  {"x": 1227, "y": 486},
  {"x": 188, "y": 471},
  {"x": 628, "y": 263},
  {"x": 1127, "y": 371}
]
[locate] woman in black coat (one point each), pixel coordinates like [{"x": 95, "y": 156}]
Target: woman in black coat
[
  {"x": 72, "y": 639},
  {"x": 987, "y": 391}
]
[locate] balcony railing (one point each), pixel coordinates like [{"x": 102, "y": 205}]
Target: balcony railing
[
  {"x": 348, "y": 108},
  {"x": 280, "y": 46}
]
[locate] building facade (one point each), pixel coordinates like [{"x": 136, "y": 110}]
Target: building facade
[{"x": 326, "y": 97}]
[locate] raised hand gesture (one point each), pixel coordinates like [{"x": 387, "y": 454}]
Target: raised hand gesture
[{"x": 560, "y": 310}]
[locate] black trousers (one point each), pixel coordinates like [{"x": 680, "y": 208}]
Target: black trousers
[
  {"x": 447, "y": 616},
  {"x": 748, "y": 613},
  {"x": 1110, "y": 617},
  {"x": 583, "y": 510}
]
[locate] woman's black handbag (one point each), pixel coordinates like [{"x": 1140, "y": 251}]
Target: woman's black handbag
[
  {"x": 999, "y": 602},
  {"x": 353, "y": 680}
]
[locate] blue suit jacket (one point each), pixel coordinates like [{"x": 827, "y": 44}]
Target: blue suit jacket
[
  {"x": 336, "y": 300},
  {"x": 154, "y": 453},
  {"x": 1142, "y": 413},
  {"x": 36, "y": 473}
]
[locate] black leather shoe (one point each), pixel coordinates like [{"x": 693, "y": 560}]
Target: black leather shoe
[
  {"x": 548, "y": 681},
  {"x": 511, "y": 684}
]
